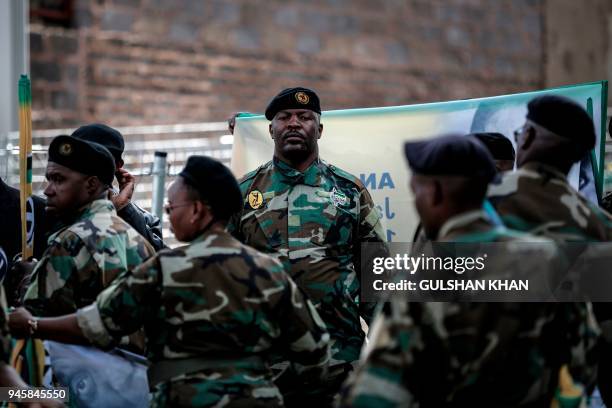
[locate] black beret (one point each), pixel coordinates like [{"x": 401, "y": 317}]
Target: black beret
[
  {"x": 499, "y": 146},
  {"x": 564, "y": 117},
  {"x": 85, "y": 157},
  {"x": 451, "y": 155},
  {"x": 108, "y": 137},
  {"x": 293, "y": 98},
  {"x": 215, "y": 183}
]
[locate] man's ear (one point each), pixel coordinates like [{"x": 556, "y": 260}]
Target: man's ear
[
  {"x": 437, "y": 193},
  {"x": 199, "y": 211},
  {"x": 92, "y": 185},
  {"x": 270, "y": 130},
  {"x": 320, "y": 130},
  {"x": 529, "y": 138}
]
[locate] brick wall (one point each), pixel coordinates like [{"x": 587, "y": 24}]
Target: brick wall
[{"x": 132, "y": 62}]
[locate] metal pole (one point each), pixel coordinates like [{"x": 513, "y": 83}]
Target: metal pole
[{"x": 159, "y": 180}]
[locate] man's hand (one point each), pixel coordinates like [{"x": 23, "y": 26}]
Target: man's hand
[
  {"x": 20, "y": 323},
  {"x": 126, "y": 189}
]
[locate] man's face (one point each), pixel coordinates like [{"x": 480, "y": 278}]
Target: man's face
[
  {"x": 422, "y": 191},
  {"x": 179, "y": 210},
  {"x": 504, "y": 165},
  {"x": 66, "y": 191},
  {"x": 519, "y": 138},
  {"x": 295, "y": 133}
]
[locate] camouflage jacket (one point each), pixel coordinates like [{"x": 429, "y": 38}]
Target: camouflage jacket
[
  {"x": 538, "y": 199},
  {"x": 219, "y": 300},
  {"x": 82, "y": 259},
  {"x": 433, "y": 354},
  {"x": 314, "y": 222}
]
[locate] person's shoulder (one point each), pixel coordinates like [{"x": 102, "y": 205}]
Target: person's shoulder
[
  {"x": 252, "y": 174},
  {"x": 263, "y": 260},
  {"x": 236, "y": 249},
  {"x": 70, "y": 238},
  {"x": 245, "y": 181},
  {"x": 344, "y": 175}
]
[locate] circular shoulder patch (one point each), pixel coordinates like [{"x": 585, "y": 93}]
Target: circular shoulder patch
[
  {"x": 65, "y": 149},
  {"x": 302, "y": 98},
  {"x": 255, "y": 199}
]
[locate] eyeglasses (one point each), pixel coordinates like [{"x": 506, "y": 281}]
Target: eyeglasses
[
  {"x": 168, "y": 208},
  {"x": 518, "y": 132}
]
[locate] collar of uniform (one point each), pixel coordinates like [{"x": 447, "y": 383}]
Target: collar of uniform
[
  {"x": 84, "y": 213},
  {"x": 203, "y": 237},
  {"x": 310, "y": 177},
  {"x": 544, "y": 168},
  {"x": 461, "y": 220}
]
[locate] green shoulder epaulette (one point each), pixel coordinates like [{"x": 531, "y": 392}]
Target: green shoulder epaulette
[
  {"x": 251, "y": 175},
  {"x": 345, "y": 175}
]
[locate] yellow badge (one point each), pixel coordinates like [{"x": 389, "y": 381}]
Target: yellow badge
[
  {"x": 255, "y": 199},
  {"x": 65, "y": 149},
  {"x": 302, "y": 98}
]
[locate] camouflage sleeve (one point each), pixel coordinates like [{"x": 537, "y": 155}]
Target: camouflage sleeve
[
  {"x": 379, "y": 380},
  {"x": 124, "y": 306},
  {"x": 370, "y": 231},
  {"x": 233, "y": 225},
  {"x": 303, "y": 330},
  {"x": 582, "y": 335},
  {"x": 55, "y": 279}
]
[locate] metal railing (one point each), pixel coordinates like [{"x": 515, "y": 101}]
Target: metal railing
[{"x": 179, "y": 141}]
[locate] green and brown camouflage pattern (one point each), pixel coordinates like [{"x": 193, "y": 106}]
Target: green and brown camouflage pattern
[
  {"x": 470, "y": 354},
  {"x": 214, "y": 298},
  {"x": 314, "y": 223},
  {"x": 538, "y": 199},
  {"x": 82, "y": 259}
]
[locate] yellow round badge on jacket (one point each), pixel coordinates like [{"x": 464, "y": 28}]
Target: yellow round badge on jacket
[{"x": 255, "y": 199}]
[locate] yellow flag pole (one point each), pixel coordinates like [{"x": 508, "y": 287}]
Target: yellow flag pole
[{"x": 25, "y": 167}]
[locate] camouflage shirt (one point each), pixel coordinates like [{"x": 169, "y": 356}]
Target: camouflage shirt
[
  {"x": 82, "y": 259},
  {"x": 219, "y": 300},
  {"x": 314, "y": 222},
  {"x": 538, "y": 199},
  {"x": 434, "y": 354}
]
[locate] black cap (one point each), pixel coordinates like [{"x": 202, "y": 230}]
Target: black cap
[
  {"x": 215, "y": 183},
  {"x": 451, "y": 155},
  {"x": 564, "y": 117},
  {"x": 88, "y": 158},
  {"x": 293, "y": 98},
  {"x": 498, "y": 145},
  {"x": 108, "y": 137}
]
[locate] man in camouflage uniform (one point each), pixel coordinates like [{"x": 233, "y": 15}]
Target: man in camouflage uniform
[
  {"x": 538, "y": 198},
  {"x": 94, "y": 245},
  {"x": 145, "y": 223},
  {"x": 312, "y": 216},
  {"x": 212, "y": 311},
  {"x": 434, "y": 354}
]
